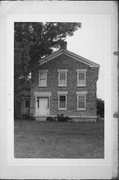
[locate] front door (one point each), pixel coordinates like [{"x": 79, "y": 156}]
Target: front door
[{"x": 42, "y": 108}]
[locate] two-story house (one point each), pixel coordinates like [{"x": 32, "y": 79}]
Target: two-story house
[{"x": 65, "y": 83}]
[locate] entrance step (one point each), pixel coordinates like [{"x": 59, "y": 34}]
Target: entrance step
[{"x": 41, "y": 118}]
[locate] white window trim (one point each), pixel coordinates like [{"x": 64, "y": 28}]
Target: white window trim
[
  {"x": 80, "y": 71},
  {"x": 60, "y": 71},
  {"x": 44, "y": 71},
  {"x": 43, "y": 94},
  {"x": 81, "y": 93},
  {"x": 60, "y": 94}
]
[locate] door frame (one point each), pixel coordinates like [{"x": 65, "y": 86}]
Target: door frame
[
  {"x": 47, "y": 104},
  {"x": 42, "y": 95}
]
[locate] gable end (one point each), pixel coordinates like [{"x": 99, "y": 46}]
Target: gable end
[{"x": 70, "y": 54}]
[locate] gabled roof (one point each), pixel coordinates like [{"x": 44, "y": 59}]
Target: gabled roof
[{"x": 70, "y": 54}]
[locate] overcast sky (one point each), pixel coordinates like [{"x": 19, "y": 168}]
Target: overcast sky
[{"x": 93, "y": 41}]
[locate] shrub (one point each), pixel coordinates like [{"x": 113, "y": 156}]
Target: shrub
[
  {"x": 28, "y": 117},
  {"x": 62, "y": 118},
  {"x": 51, "y": 119}
]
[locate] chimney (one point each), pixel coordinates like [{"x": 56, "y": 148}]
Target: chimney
[{"x": 63, "y": 45}]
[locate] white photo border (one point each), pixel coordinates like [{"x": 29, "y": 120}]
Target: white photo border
[{"x": 10, "y": 84}]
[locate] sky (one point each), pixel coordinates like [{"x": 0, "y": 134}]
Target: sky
[{"x": 93, "y": 41}]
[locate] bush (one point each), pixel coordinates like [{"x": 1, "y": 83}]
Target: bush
[
  {"x": 28, "y": 117},
  {"x": 51, "y": 119},
  {"x": 61, "y": 118}
]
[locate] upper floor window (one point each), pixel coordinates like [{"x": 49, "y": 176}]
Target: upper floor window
[
  {"x": 81, "y": 77},
  {"x": 62, "y": 77},
  {"x": 43, "y": 78}
]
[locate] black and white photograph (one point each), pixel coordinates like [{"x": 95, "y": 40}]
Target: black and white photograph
[
  {"x": 58, "y": 108},
  {"x": 59, "y": 105}
]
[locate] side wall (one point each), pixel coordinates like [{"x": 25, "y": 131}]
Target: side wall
[{"x": 64, "y": 62}]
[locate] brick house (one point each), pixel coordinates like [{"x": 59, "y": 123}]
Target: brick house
[{"x": 65, "y": 83}]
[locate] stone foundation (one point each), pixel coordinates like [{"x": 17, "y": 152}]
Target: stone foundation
[
  {"x": 71, "y": 119},
  {"x": 84, "y": 119}
]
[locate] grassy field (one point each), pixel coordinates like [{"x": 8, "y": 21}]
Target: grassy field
[{"x": 34, "y": 139}]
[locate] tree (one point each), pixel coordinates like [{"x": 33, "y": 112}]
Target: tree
[
  {"x": 33, "y": 41},
  {"x": 100, "y": 108}
]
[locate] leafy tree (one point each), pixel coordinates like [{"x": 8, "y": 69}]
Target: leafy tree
[{"x": 36, "y": 40}]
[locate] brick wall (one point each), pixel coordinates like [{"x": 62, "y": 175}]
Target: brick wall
[{"x": 64, "y": 62}]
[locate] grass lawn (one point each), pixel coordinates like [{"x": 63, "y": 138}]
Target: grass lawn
[{"x": 34, "y": 139}]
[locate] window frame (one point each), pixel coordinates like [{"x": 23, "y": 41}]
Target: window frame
[
  {"x": 43, "y": 71},
  {"x": 85, "y": 96},
  {"x": 62, "y": 71},
  {"x": 81, "y": 71},
  {"x": 62, "y": 94}
]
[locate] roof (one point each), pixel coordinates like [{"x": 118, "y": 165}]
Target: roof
[{"x": 70, "y": 54}]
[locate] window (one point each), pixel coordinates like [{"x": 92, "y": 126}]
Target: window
[
  {"x": 43, "y": 78},
  {"x": 62, "y": 100},
  {"x": 81, "y": 77},
  {"x": 81, "y": 100},
  {"x": 62, "y": 77},
  {"x": 27, "y": 103}
]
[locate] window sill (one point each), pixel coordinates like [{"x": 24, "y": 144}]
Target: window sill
[
  {"x": 42, "y": 86},
  {"x": 82, "y": 85},
  {"x": 82, "y": 109},
  {"x": 62, "y": 109},
  {"x": 62, "y": 85}
]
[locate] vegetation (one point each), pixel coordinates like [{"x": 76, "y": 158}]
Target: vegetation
[
  {"x": 34, "y": 139},
  {"x": 33, "y": 41},
  {"x": 51, "y": 119},
  {"x": 62, "y": 118},
  {"x": 100, "y": 108},
  {"x": 59, "y": 118}
]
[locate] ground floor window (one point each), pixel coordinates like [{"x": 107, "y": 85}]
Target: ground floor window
[
  {"x": 62, "y": 101},
  {"x": 81, "y": 101}
]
